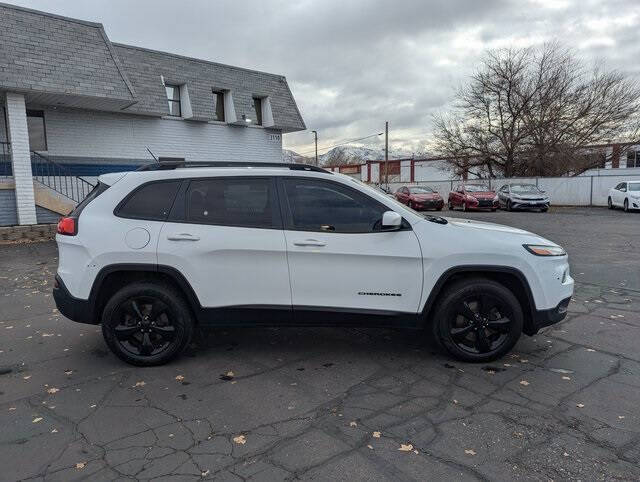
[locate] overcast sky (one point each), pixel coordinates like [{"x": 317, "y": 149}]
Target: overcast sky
[{"x": 352, "y": 64}]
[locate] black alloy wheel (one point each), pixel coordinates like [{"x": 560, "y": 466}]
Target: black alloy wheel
[
  {"x": 626, "y": 205},
  {"x": 477, "y": 320},
  {"x": 609, "y": 203},
  {"x": 509, "y": 205},
  {"x": 147, "y": 323},
  {"x": 480, "y": 324},
  {"x": 145, "y": 326}
]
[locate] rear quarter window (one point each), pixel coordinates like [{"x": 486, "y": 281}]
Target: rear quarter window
[{"x": 151, "y": 201}]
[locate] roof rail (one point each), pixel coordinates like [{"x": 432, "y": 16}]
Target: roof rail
[{"x": 170, "y": 165}]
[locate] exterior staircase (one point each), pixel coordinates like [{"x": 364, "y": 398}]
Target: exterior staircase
[{"x": 55, "y": 188}]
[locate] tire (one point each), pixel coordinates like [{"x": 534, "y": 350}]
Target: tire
[
  {"x": 609, "y": 203},
  {"x": 493, "y": 210},
  {"x": 544, "y": 210},
  {"x": 509, "y": 206},
  {"x": 477, "y": 339},
  {"x": 439, "y": 209},
  {"x": 626, "y": 205},
  {"x": 137, "y": 336}
]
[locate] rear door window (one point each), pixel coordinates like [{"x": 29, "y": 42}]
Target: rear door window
[
  {"x": 150, "y": 201},
  {"x": 233, "y": 201}
]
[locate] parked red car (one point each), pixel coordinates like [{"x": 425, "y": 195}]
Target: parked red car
[
  {"x": 473, "y": 196},
  {"x": 420, "y": 198}
]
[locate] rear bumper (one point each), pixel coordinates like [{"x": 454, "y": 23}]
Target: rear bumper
[
  {"x": 73, "y": 308},
  {"x": 549, "y": 317}
]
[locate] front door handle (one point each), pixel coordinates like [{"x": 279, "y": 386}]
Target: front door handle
[
  {"x": 309, "y": 242},
  {"x": 182, "y": 237}
]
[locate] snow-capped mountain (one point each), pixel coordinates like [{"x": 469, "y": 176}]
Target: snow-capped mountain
[{"x": 348, "y": 154}]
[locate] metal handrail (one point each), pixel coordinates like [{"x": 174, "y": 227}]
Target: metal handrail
[
  {"x": 5, "y": 159},
  {"x": 51, "y": 174}
]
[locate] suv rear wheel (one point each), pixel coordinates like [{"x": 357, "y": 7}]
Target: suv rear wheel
[
  {"x": 147, "y": 323},
  {"x": 477, "y": 320}
]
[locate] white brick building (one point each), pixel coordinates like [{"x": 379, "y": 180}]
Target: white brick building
[{"x": 74, "y": 104}]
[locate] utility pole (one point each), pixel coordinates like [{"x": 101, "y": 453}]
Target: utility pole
[
  {"x": 386, "y": 153},
  {"x": 315, "y": 134}
]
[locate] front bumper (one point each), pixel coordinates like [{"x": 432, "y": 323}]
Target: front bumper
[
  {"x": 544, "y": 318},
  {"x": 519, "y": 204},
  {"x": 482, "y": 204},
  {"x": 429, "y": 204},
  {"x": 73, "y": 308}
]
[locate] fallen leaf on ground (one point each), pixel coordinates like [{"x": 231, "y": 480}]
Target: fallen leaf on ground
[
  {"x": 566, "y": 378},
  {"x": 68, "y": 372},
  {"x": 470, "y": 452},
  {"x": 180, "y": 378},
  {"x": 353, "y": 424},
  {"x": 580, "y": 405},
  {"x": 36, "y": 420},
  {"x": 370, "y": 447},
  {"x": 565, "y": 454},
  {"x": 524, "y": 382},
  {"x": 81, "y": 465},
  {"x": 11, "y": 409},
  {"x": 53, "y": 390},
  {"x": 240, "y": 439},
  {"x": 27, "y": 377},
  {"x": 405, "y": 448},
  {"x": 620, "y": 417},
  {"x": 205, "y": 473},
  {"x": 230, "y": 374},
  {"x": 376, "y": 434},
  {"x": 55, "y": 430},
  {"x": 140, "y": 384}
]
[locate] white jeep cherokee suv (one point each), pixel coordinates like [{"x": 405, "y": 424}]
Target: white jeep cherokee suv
[{"x": 153, "y": 254}]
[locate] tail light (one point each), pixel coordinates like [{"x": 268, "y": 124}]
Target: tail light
[{"x": 67, "y": 226}]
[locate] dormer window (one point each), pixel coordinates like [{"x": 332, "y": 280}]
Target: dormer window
[
  {"x": 257, "y": 106},
  {"x": 218, "y": 97},
  {"x": 173, "y": 96}
]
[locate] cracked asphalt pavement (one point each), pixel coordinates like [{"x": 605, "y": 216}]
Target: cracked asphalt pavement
[{"x": 332, "y": 404}]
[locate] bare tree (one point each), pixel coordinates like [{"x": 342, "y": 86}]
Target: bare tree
[{"x": 529, "y": 112}]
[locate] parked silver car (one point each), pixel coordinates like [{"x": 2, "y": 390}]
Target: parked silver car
[{"x": 522, "y": 196}]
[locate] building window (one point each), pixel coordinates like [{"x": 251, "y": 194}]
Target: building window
[
  {"x": 173, "y": 96},
  {"x": 218, "y": 98},
  {"x": 37, "y": 130},
  {"x": 633, "y": 158},
  {"x": 257, "y": 105}
]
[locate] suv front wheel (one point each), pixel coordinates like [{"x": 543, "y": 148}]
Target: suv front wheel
[
  {"x": 477, "y": 320},
  {"x": 147, "y": 323}
]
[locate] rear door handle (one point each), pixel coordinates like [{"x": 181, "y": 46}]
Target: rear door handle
[
  {"x": 182, "y": 237},
  {"x": 309, "y": 242}
]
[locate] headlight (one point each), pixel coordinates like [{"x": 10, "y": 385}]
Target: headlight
[{"x": 542, "y": 250}]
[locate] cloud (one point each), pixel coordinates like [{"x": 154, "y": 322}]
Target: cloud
[{"x": 354, "y": 64}]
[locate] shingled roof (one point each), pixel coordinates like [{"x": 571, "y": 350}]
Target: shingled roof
[
  {"x": 145, "y": 68},
  {"x": 47, "y": 54},
  {"x": 57, "y": 60}
]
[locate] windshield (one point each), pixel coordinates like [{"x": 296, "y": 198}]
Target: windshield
[
  {"x": 525, "y": 189},
  {"x": 476, "y": 188},
  {"x": 420, "y": 190},
  {"x": 634, "y": 186}
]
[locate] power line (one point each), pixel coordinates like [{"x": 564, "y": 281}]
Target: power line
[{"x": 342, "y": 143}]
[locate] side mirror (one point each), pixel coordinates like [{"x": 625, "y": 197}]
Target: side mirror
[{"x": 391, "y": 221}]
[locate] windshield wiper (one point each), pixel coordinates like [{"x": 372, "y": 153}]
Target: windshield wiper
[{"x": 435, "y": 219}]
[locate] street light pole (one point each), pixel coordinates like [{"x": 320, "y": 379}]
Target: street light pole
[
  {"x": 315, "y": 134},
  {"x": 386, "y": 153}
]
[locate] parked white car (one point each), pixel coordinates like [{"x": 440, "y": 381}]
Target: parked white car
[
  {"x": 625, "y": 195},
  {"x": 153, "y": 254}
]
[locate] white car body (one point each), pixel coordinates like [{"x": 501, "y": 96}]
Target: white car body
[
  {"x": 625, "y": 193},
  {"x": 233, "y": 275}
]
